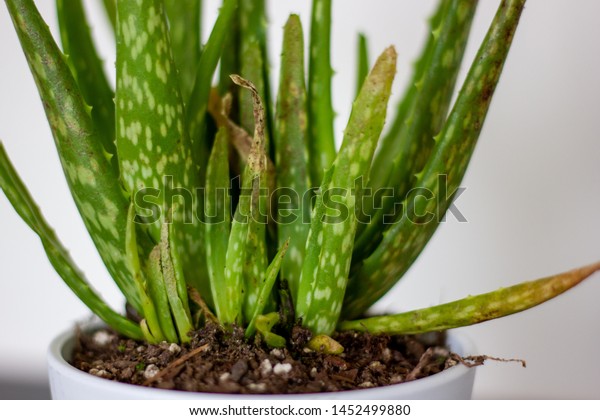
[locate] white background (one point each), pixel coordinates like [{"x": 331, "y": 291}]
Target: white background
[{"x": 532, "y": 199}]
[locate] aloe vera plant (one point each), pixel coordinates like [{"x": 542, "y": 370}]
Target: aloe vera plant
[{"x": 224, "y": 202}]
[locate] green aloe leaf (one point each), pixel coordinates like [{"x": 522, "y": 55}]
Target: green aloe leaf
[
  {"x": 152, "y": 330},
  {"x": 87, "y": 68},
  {"x": 59, "y": 257},
  {"x": 154, "y": 149},
  {"x": 185, "y": 31},
  {"x": 389, "y": 147},
  {"x": 252, "y": 207},
  {"x": 474, "y": 309},
  {"x": 230, "y": 62},
  {"x": 244, "y": 269},
  {"x": 175, "y": 286},
  {"x": 251, "y": 69},
  {"x": 266, "y": 288},
  {"x": 312, "y": 252},
  {"x": 94, "y": 183},
  {"x": 218, "y": 219},
  {"x": 254, "y": 62},
  {"x": 342, "y": 199},
  {"x": 321, "y": 145},
  {"x": 110, "y": 7},
  {"x": 198, "y": 102},
  {"x": 151, "y": 141},
  {"x": 293, "y": 182},
  {"x": 426, "y": 205},
  {"x": 430, "y": 97},
  {"x": 264, "y": 324},
  {"x": 362, "y": 65},
  {"x": 157, "y": 291}
]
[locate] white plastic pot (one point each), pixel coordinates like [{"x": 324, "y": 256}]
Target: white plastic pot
[{"x": 69, "y": 383}]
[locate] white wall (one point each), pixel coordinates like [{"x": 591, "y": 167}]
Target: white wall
[{"x": 532, "y": 199}]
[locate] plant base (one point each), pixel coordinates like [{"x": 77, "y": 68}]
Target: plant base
[{"x": 254, "y": 370}]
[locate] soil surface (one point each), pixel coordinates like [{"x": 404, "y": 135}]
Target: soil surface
[{"x": 224, "y": 362}]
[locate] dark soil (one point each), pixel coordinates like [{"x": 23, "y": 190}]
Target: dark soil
[{"x": 218, "y": 361}]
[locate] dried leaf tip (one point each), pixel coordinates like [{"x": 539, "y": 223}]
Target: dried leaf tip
[{"x": 257, "y": 159}]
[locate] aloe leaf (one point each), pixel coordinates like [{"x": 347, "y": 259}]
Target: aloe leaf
[
  {"x": 185, "y": 31},
  {"x": 238, "y": 137},
  {"x": 159, "y": 295},
  {"x": 256, "y": 249},
  {"x": 425, "y": 114},
  {"x": 153, "y": 331},
  {"x": 155, "y": 152},
  {"x": 241, "y": 265},
  {"x": 291, "y": 154},
  {"x": 253, "y": 203},
  {"x": 254, "y": 63},
  {"x": 389, "y": 147},
  {"x": 87, "y": 68},
  {"x": 321, "y": 145},
  {"x": 251, "y": 69},
  {"x": 94, "y": 183},
  {"x": 59, "y": 257},
  {"x": 352, "y": 165},
  {"x": 174, "y": 284},
  {"x": 474, "y": 309},
  {"x": 312, "y": 252},
  {"x": 232, "y": 294},
  {"x": 230, "y": 62},
  {"x": 264, "y": 324},
  {"x": 427, "y": 203},
  {"x": 266, "y": 287},
  {"x": 110, "y": 7},
  {"x": 151, "y": 141},
  {"x": 362, "y": 65},
  {"x": 218, "y": 219},
  {"x": 198, "y": 103}
]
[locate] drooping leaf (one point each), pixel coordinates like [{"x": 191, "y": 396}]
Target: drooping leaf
[
  {"x": 59, "y": 257},
  {"x": 474, "y": 309}
]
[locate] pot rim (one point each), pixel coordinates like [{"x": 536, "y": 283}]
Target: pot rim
[{"x": 62, "y": 345}]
